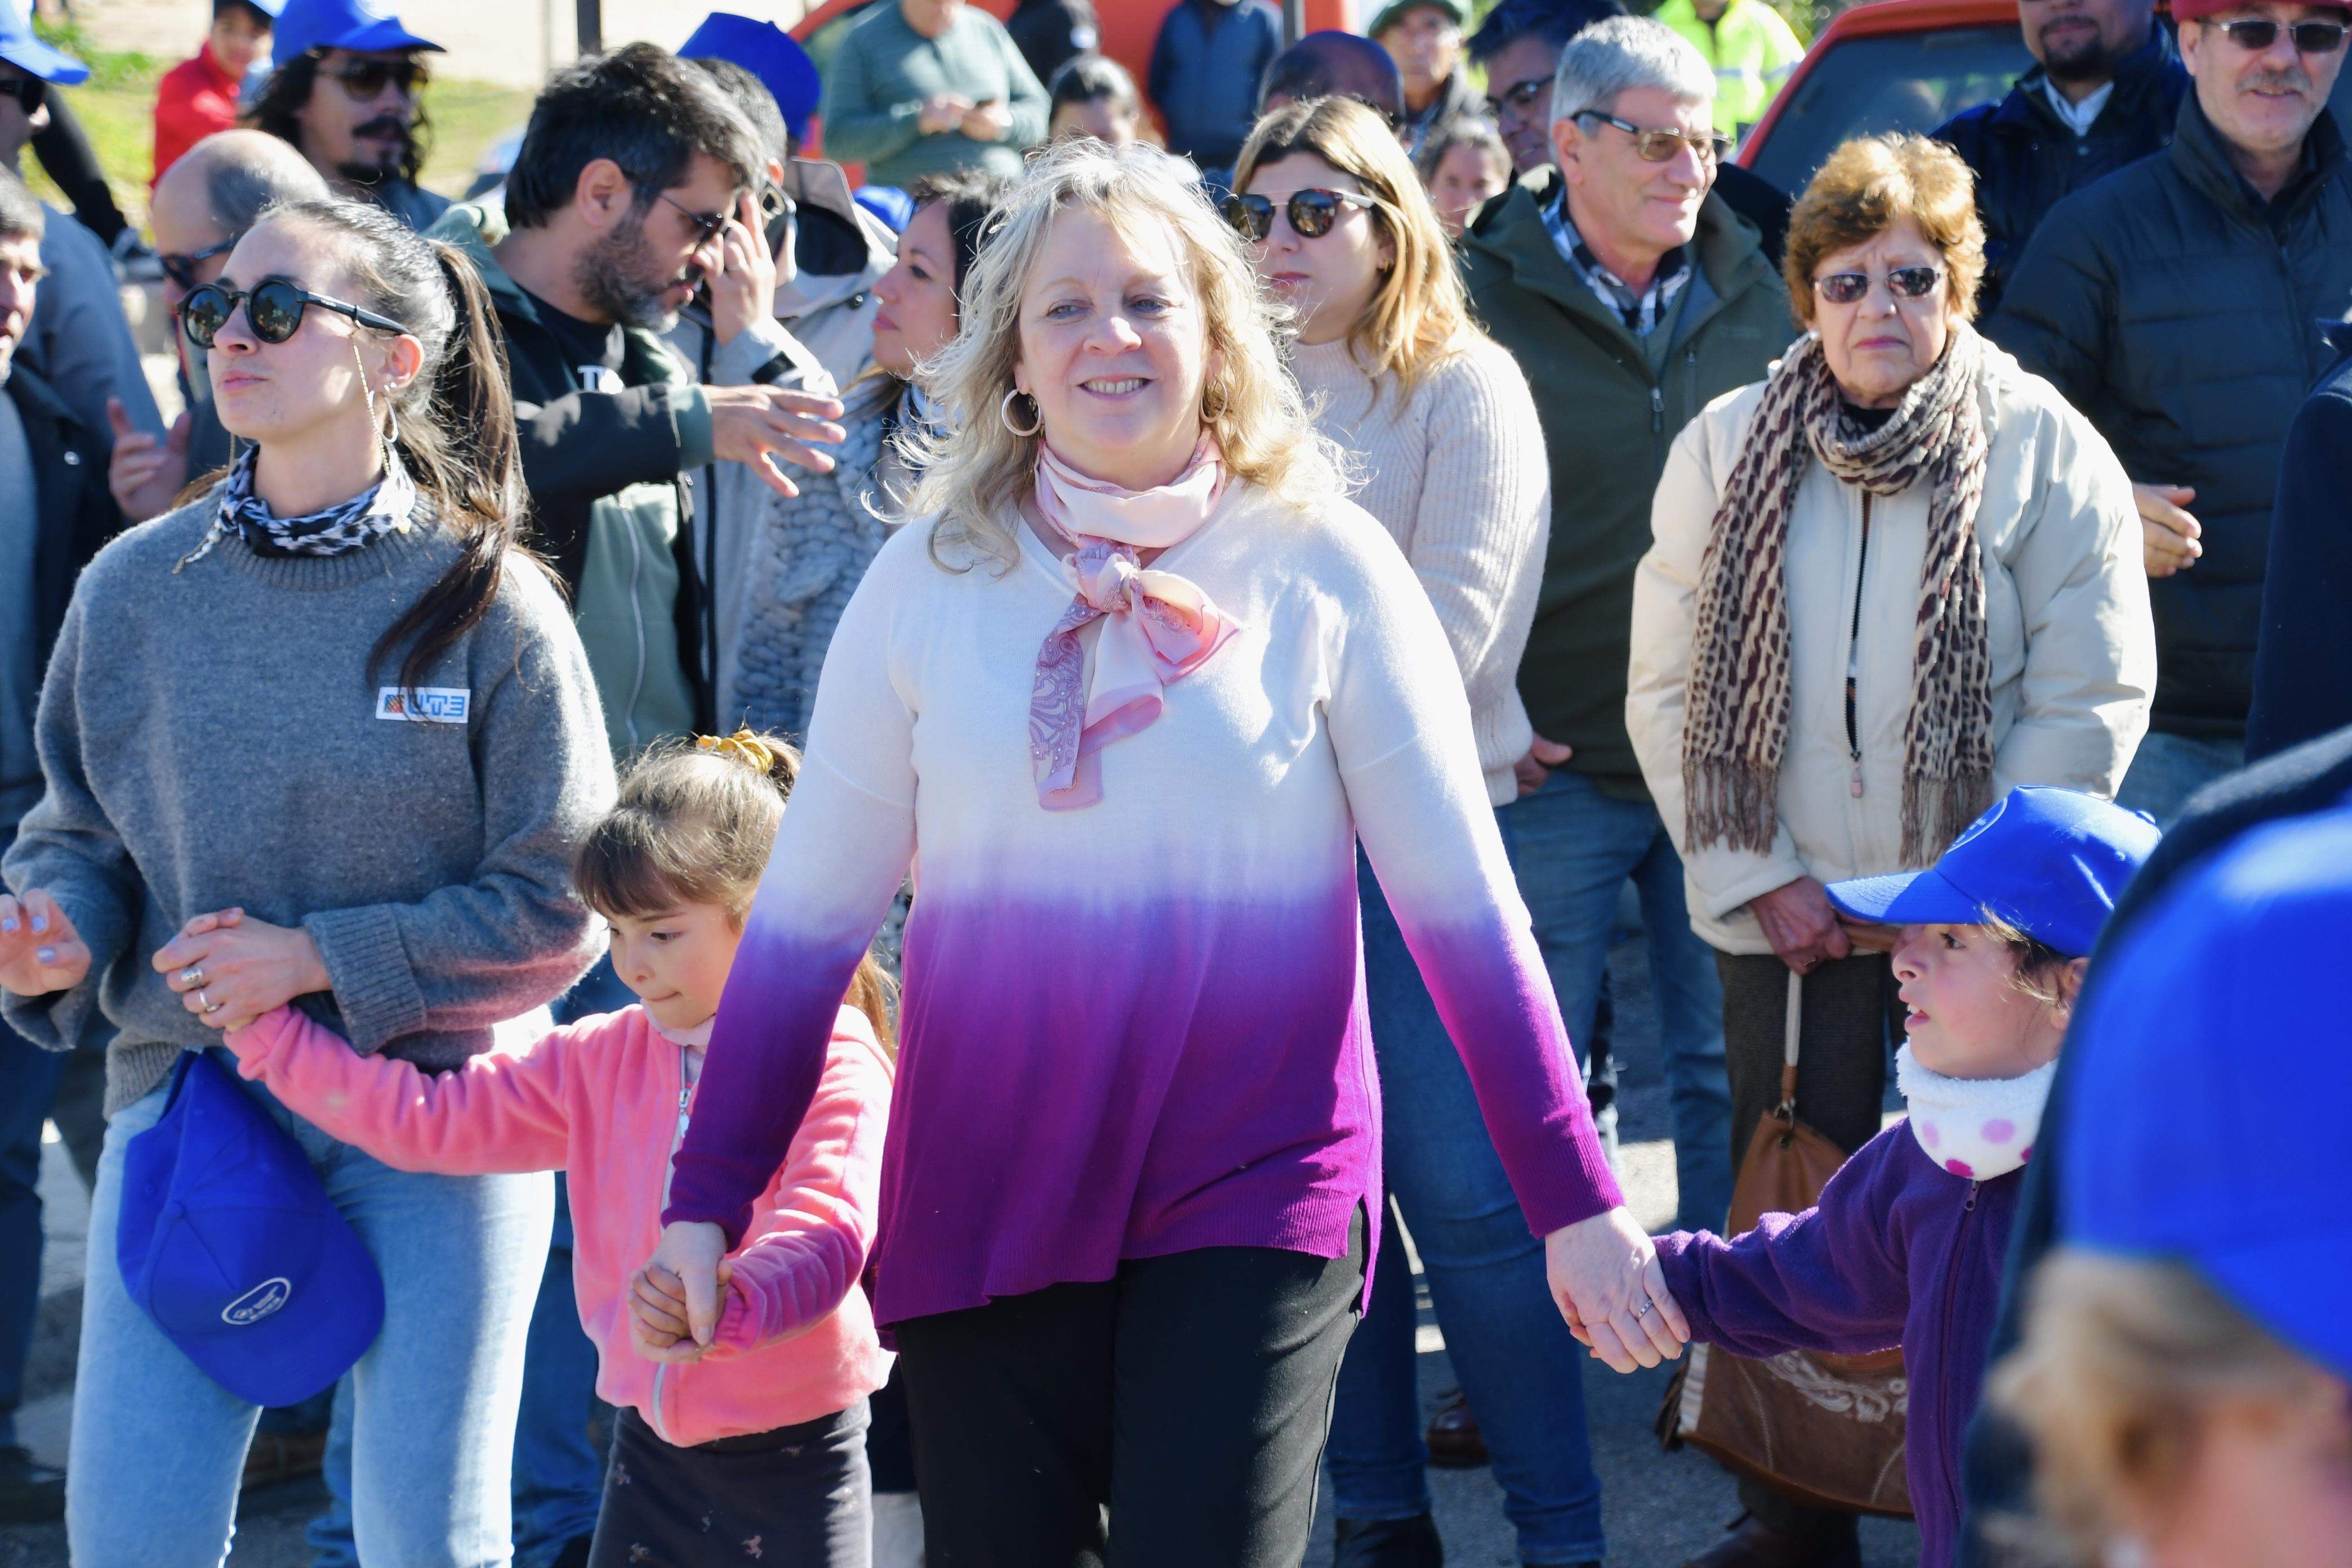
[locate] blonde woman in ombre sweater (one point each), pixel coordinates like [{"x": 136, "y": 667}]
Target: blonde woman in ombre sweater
[{"x": 1447, "y": 441}]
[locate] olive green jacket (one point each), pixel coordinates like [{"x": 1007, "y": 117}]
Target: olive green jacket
[{"x": 1608, "y": 422}]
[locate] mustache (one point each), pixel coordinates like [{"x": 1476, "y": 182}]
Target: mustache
[
  {"x": 391, "y": 127},
  {"x": 2293, "y": 80}
]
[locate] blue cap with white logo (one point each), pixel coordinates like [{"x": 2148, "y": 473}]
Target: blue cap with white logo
[
  {"x": 23, "y": 47},
  {"x": 768, "y": 52},
  {"x": 362, "y": 24},
  {"x": 228, "y": 1242},
  {"x": 2206, "y": 1079},
  {"x": 2049, "y": 861}
]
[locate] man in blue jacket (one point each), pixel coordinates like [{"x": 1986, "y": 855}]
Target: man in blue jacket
[
  {"x": 2303, "y": 659},
  {"x": 2103, "y": 91},
  {"x": 1205, "y": 75}
]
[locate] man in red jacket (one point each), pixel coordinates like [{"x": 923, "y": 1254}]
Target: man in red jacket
[{"x": 198, "y": 97}]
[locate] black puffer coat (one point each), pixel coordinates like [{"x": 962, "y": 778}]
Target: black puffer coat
[
  {"x": 2026, "y": 159},
  {"x": 2181, "y": 312}
]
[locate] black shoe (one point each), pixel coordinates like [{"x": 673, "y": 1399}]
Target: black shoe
[
  {"x": 1753, "y": 1543},
  {"x": 575, "y": 1553},
  {"x": 1387, "y": 1543},
  {"x": 30, "y": 1493}
]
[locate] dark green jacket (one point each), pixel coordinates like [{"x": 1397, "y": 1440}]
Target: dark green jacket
[
  {"x": 2181, "y": 312},
  {"x": 1608, "y": 421}
]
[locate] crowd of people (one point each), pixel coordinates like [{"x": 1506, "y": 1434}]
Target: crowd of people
[{"x": 1014, "y": 768}]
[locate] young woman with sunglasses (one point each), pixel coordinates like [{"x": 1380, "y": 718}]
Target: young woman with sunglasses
[
  {"x": 1445, "y": 439},
  {"x": 1892, "y": 580},
  {"x": 352, "y": 709}
]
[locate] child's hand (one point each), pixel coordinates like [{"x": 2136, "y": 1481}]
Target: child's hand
[
  {"x": 657, "y": 1313},
  {"x": 691, "y": 1253}
]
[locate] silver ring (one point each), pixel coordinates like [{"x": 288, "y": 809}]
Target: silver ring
[
  {"x": 1647, "y": 1305},
  {"x": 192, "y": 976},
  {"x": 211, "y": 1006}
]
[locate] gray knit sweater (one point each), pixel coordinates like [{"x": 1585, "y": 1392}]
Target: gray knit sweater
[{"x": 213, "y": 739}]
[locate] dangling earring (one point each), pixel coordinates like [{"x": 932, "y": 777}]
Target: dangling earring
[
  {"x": 367, "y": 391},
  {"x": 1004, "y": 413}
]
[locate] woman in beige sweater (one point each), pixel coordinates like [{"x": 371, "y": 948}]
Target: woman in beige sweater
[{"x": 1451, "y": 458}]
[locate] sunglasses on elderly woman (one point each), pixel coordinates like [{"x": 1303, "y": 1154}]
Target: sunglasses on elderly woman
[
  {"x": 273, "y": 308},
  {"x": 1903, "y": 282},
  {"x": 1311, "y": 212},
  {"x": 2255, "y": 34},
  {"x": 1657, "y": 146}
]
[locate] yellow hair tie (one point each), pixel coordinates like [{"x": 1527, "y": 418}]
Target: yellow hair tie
[{"x": 742, "y": 745}]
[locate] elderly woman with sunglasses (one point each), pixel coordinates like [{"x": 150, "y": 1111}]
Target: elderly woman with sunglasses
[
  {"x": 1445, "y": 437},
  {"x": 1891, "y": 581},
  {"x": 324, "y": 733}
]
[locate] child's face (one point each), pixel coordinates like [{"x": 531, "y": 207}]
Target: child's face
[
  {"x": 2271, "y": 1484},
  {"x": 1969, "y": 1018},
  {"x": 1463, "y": 181},
  {"x": 677, "y": 961}
]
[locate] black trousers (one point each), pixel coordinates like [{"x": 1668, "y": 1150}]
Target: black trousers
[
  {"x": 1849, "y": 1007},
  {"x": 1172, "y": 1416},
  {"x": 796, "y": 1495}
]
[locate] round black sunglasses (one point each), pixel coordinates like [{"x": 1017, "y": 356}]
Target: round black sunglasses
[
  {"x": 274, "y": 308},
  {"x": 1311, "y": 212}
]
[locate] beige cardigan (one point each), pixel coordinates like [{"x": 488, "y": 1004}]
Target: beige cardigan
[
  {"x": 2072, "y": 641},
  {"x": 1456, "y": 474}
]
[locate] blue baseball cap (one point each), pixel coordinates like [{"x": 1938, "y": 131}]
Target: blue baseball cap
[
  {"x": 307, "y": 25},
  {"x": 22, "y": 48},
  {"x": 228, "y": 1242},
  {"x": 2208, "y": 1075},
  {"x": 768, "y": 52},
  {"x": 2049, "y": 861}
]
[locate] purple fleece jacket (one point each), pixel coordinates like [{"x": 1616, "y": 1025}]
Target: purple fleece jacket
[{"x": 1899, "y": 1250}]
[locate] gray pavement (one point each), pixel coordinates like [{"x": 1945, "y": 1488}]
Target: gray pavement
[{"x": 1658, "y": 1507}]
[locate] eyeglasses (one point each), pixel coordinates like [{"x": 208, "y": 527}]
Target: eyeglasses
[
  {"x": 1657, "y": 146},
  {"x": 182, "y": 270},
  {"x": 366, "y": 80},
  {"x": 1520, "y": 98},
  {"x": 29, "y": 91},
  {"x": 274, "y": 308},
  {"x": 1311, "y": 212},
  {"x": 1903, "y": 282},
  {"x": 706, "y": 224},
  {"x": 2255, "y": 34}
]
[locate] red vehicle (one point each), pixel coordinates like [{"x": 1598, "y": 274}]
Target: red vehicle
[{"x": 1899, "y": 65}]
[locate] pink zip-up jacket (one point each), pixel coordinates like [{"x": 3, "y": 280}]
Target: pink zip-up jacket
[{"x": 606, "y": 1100}]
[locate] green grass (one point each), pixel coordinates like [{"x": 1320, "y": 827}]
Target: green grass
[{"x": 117, "y": 110}]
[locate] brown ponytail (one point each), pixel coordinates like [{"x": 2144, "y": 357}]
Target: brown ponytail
[{"x": 694, "y": 825}]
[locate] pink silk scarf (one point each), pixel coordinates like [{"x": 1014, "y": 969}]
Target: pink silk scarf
[{"x": 1157, "y": 626}]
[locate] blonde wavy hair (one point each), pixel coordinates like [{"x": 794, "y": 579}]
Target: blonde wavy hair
[
  {"x": 1419, "y": 317},
  {"x": 977, "y": 473}
]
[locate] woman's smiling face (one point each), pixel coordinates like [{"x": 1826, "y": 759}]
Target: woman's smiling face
[{"x": 1114, "y": 348}]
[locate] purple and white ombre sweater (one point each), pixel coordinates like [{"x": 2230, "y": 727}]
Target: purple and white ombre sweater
[{"x": 1137, "y": 1029}]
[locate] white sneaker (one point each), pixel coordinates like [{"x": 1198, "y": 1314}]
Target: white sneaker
[{"x": 898, "y": 1530}]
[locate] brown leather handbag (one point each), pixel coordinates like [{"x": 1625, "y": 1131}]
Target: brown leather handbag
[{"x": 1824, "y": 1430}]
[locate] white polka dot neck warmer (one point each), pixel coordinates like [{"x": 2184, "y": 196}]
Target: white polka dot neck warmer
[{"x": 1974, "y": 1126}]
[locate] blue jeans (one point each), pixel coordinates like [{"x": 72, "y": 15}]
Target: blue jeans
[
  {"x": 1523, "y": 1373},
  {"x": 1572, "y": 848},
  {"x": 159, "y": 1448},
  {"x": 2169, "y": 769},
  {"x": 28, "y": 1078}
]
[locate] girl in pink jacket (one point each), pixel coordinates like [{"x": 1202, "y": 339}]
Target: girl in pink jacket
[{"x": 754, "y": 1446}]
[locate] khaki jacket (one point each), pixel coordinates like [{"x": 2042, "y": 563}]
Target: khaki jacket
[{"x": 2072, "y": 641}]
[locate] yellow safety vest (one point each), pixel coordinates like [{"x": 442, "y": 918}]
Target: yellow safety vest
[{"x": 1752, "y": 50}]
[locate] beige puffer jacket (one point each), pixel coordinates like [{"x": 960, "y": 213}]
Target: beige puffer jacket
[{"x": 2072, "y": 641}]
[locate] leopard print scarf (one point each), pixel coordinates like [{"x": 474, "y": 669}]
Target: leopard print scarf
[{"x": 1736, "y": 731}]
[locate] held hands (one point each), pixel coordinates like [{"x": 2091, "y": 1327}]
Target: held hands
[
  {"x": 659, "y": 1321},
  {"x": 673, "y": 1300},
  {"x": 1538, "y": 764},
  {"x": 757, "y": 424},
  {"x": 942, "y": 112},
  {"x": 40, "y": 952},
  {"x": 2168, "y": 535},
  {"x": 743, "y": 283},
  {"x": 144, "y": 473},
  {"x": 230, "y": 970},
  {"x": 1800, "y": 925},
  {"x": 1605, "y": 1279}
]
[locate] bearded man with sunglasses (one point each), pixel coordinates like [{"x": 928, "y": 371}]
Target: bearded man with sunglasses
[
  {"x": 347, "y": 95},
  {"x": 2176, "y": 303}
]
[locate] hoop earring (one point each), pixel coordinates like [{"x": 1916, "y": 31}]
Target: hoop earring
[
  {"x": 1004, "y": 413},
  {"x": 1225, "y": 404},
  {"x": 367, "y": 391}
]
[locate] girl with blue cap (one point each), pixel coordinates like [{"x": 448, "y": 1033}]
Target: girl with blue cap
[{"x": 1907, "y": 1244}]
